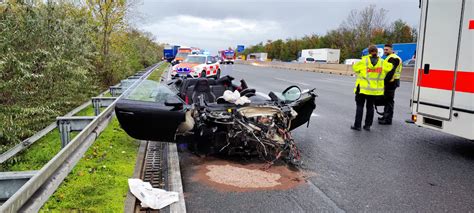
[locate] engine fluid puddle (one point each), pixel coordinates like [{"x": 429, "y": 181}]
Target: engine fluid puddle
[
  {"x": 242, "y": 177},
  {"x": 229, "y": 176}
]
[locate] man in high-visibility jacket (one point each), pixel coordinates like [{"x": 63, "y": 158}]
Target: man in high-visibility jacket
[
  {"x": 392, "y": 81},
  {"x": 371, "y": 72}
]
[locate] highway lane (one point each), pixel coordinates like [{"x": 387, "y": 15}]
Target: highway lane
[{"x": 391, "y": 168}]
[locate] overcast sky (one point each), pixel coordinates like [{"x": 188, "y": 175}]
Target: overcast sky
[{"x": 219, "y": 24}]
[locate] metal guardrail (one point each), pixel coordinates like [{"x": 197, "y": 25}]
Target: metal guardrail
[
  {"x": 31, "y": 140},
  {"x": 36, "y": 191}
]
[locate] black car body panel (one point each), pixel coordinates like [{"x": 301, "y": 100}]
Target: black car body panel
[{"x": 148, "y": 120}]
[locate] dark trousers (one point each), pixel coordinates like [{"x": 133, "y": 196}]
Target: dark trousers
[
  {"x": 368, "y": 101},
  {"x": 389, "y": 96}
]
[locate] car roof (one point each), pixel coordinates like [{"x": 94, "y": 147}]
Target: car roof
[{"x": 201, "y": 55}]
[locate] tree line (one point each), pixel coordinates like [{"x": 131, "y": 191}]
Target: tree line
[
  {"x": 360, "y": 29},
  {"x": 55, "y": 55}
]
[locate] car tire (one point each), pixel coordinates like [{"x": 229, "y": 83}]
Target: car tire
[{"x": 203, "y": 74}]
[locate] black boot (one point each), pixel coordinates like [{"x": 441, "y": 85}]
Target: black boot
[
  {"x": 385, "y": 122},
  {"x": 367, "y": 128},
  {"x": 355, "y": 128}
]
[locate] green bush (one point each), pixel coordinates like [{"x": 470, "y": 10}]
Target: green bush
[{"x": 50, "y": 62}]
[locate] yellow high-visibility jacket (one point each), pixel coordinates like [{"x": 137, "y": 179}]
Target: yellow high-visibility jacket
[
  {"x": 370, "y": 78},
  {"x": 398, "y": 70}
]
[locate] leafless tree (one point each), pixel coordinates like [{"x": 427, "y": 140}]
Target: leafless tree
[{"x": 364, "y": 22}]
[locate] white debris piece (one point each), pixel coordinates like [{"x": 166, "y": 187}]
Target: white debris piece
[
  {"x": 151, "y": 197},
  {"x": 230, "y": 96},
  {"x": 235, "y": 98},
  {"x": 242, "y": 100}
]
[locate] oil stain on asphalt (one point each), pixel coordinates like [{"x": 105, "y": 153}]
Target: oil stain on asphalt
[{"x": 231, "y": 176}]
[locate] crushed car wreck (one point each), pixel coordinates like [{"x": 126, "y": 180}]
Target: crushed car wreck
[{"x": 216, "y": 116}]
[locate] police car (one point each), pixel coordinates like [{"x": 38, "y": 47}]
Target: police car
[{"x": 197, "y": 66}]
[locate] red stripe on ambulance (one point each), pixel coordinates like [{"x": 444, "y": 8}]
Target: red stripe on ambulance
[
  {"x": 443, "y": 79},
  {"x": 471, "y": 24}
]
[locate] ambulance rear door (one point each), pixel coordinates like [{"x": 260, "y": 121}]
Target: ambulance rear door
[{"x": 436, "y": 61}]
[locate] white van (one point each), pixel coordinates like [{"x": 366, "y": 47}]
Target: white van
[{"x": 324, "y": 55}]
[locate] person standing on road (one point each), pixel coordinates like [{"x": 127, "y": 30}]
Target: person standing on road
[
  {"x": 392, "y": 81},
  {"x": 371, "y": 72}
]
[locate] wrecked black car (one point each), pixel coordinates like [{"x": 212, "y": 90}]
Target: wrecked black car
[{"x": 217, "y": 116}]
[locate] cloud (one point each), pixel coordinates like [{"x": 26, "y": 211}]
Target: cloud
[
  {"x": 214, "y": 25},
  {"x": 212, "y": 33}
]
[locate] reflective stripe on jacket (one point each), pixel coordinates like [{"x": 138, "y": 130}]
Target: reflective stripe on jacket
[
  {"x": 370, "y": 78},
  {"x": 398, "y": 70}
]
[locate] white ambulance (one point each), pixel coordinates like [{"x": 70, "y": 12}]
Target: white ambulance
[{"x": 443, "y": 88}]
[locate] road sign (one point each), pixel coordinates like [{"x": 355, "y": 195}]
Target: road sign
[{"x": 240, "y": 48}]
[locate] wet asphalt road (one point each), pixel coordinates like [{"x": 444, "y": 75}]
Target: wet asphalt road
[{"x": 397, "y": 168}]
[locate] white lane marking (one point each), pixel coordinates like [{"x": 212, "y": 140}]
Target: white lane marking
[{"x": 293, "y": 82}]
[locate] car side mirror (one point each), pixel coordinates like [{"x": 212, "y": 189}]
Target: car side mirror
[
  {"x": 292, "y": 93},
  {"x": 174, "y": 102}
]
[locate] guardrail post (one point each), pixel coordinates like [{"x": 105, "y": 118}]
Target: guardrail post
[
  {"x": 68, "y": 124},
  {"x": 64, "y": 130},
  {"x": 115, "y": 91},
  {"x": 98, "y": 102}
]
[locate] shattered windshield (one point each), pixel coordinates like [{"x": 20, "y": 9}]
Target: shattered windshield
[{"x": 150, "y": 91}]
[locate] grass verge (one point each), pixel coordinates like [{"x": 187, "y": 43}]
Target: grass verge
[
  {"x": 156, "y": 75},
  {"x": 98, "y": 183}
]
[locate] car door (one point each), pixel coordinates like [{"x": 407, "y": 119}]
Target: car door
[
  {"x": 304, "y": 106},
  {"x": 150, "y": 112}
]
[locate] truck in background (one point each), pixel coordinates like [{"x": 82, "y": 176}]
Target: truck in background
[
  {"x": 227, "y": 56},
  {"x": 405, "y": 51},
  {"x": 169, "y": 52},
  {"x": 324, "y": 55},
  {"x": 443, "y": 86},
  {"x": 257, "y": 57},
  {"x": 183, "y": 52}
]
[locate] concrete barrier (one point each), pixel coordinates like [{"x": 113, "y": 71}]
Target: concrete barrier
[
  {"x": 337, "y": 69},
  {"x": 407, "y": 74}
]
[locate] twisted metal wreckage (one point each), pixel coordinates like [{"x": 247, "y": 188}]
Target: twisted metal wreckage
[{"x": 216, "y": 116}]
